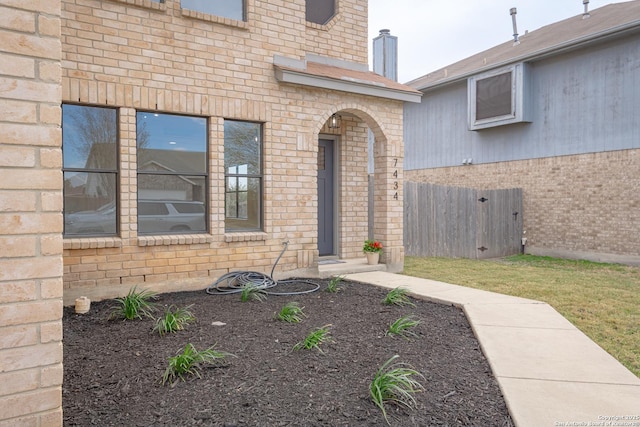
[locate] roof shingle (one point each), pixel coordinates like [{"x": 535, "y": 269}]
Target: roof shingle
[{"x": 572, "y": 32}]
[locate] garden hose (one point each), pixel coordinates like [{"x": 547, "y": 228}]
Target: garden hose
[{"x": 233, "y": 282}]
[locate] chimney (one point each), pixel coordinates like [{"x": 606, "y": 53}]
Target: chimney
[
  {"x": 586, "y": 13},
  {"x": 513, "y": 12},
  {"x": 385, "y": 55}
]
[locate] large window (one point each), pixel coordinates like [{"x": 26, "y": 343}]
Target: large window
[
  {"x": 90, "y": 170},
  {"x": 498, "y": 97},
  {"x": 172, "y": 173},
  {"x": 233, "y": 9},
  {"x": 243, "y": 175},
  {"x": 320, "y": 11}
]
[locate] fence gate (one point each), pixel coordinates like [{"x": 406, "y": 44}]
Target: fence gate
[{"x": 461, "y": 222}]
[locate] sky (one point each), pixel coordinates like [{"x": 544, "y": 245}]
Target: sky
[{"x": 435, "y": 33}]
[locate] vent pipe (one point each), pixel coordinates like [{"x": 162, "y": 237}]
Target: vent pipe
[
  {"x": 586, "y": 13},
  {"x": 513, "y": 12}
]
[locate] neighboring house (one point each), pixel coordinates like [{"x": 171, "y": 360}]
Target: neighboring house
[
  {"x": 556, "y": 113},
  {"x": 272, "y": 101}
]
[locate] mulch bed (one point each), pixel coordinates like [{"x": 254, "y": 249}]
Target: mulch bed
[{"x": 113, "y": 369}]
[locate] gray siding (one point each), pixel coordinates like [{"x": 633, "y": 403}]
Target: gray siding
[{"x": 583, "y": 102}]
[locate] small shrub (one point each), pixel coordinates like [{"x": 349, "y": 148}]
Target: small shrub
[
  {"x": 314, "y": 339},
  {"x": 135, "y": 305},
  {"x": 394, "y": 383},
  {"x": 188, "y": 360},
  {"x": 291, "y": 312},
  {"x": 402, "y": 325},
  {"x": 251, "y": 291},
  {"x": 174, "y": 319},
  {"x": 333, "y": 284},
  {"x": 397, "y": 296}
]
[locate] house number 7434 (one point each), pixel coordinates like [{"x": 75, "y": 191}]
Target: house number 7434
[{"x": 395, "y": 175}]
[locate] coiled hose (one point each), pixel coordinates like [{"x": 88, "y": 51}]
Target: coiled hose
[{"x": 233, "y": 282}]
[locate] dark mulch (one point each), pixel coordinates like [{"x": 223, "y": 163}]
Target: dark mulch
[{"x": 113, "y": 369}]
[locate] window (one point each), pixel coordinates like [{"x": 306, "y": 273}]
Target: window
[
  {"x": 233, "y": 9},
  {"x": 90, "y": 170},
  {"x": 172, "y": 173},
  {"x": 243, "y": 175},
  {"x": 493, "y": 96},
  {"x": 498, "y": 98},
  {"x": 320, "y": 11}
]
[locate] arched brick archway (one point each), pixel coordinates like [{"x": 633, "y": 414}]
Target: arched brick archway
[{"x": 386, "y": 128}]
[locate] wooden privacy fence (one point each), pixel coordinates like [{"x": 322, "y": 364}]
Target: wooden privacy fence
[{"x": 461, "y": 222}]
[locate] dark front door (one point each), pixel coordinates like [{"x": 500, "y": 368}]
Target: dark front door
[{"x": 325, "y": 197}]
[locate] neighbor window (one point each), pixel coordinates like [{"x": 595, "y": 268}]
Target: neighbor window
[
  {"x": 90, "y": 170},
  {"x": 172, "y": 173},
  {"x": 320, "y": 11},
  {"x": 243, "y": 175},
  {"x": 233, "y": 9},
  {"x": 498, "y": 97},
  {"x": 493, "y": 96}
]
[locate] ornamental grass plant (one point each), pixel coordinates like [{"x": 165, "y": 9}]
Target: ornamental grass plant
[
  {"x": 402, "y": 327},
  {"x": 332, "y": 286},
  {"x": 314, "y": 339},
  {"x": 135, "y": 305},
  {"x": 394, "y": 383},
  {"x": 174, "y": 319},
  {"x": 397, "y": 296},
  {"x": 291, "y": 313},
  {"x": 252, "y": 292},
  {"x": 188, "y": 360}
]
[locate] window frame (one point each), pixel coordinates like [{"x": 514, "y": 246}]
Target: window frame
[
  {"x": 115, "y": 172},
  {"x": 247, "y": 176},
  {"x": 205, "y": 177},
  {"x": 520, "y": 98}
]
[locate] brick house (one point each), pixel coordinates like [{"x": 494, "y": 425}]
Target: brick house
[
  {"x": 555, "y": 113},
  {"x": 165, "y": 143}
]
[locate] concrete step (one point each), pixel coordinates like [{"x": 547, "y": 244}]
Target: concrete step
[{"x": 329, "y": 267}]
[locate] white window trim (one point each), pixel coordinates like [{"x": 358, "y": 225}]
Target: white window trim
[{"x": 520, "y": 98}]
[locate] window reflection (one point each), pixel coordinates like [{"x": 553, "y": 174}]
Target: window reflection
[
  {"x": 243, "y": 167},
  {"x": 233, "y": 9},
  {"x": 170, "y": 142},
  {"x": 320, "y": 11},
  {"x": 90, "y": 168},
  {"x": 172, "y": 173}
]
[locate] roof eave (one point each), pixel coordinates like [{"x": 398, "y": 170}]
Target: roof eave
[
  {"x": 601, "y": 36},
  {"x": 286, "y": 75}
]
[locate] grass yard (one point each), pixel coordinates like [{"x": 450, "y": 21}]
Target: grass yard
[{"x": 602, "y": 300}]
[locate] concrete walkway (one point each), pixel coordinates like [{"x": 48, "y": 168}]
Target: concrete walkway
[{"x": 550, "y": 373}]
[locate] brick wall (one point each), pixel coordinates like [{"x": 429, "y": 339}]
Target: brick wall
[
  {"x": 586, "y": 205},
  {"x": 141, "y": 55},
  {"x": 30, "y": 214}
]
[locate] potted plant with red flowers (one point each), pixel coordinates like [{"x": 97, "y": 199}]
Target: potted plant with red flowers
[{"x": 372, "y": 249}]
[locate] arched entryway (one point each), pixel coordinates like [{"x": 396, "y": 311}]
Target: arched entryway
[{"x": 343, "y": 189}]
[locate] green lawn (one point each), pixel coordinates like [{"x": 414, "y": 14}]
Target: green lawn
[{"x": 602, "y": 300}]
